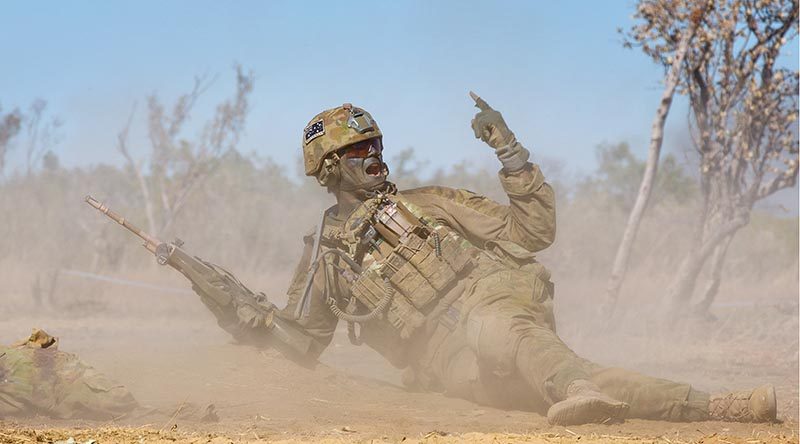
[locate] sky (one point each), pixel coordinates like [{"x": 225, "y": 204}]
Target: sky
[{"x": 556, "y": 70}]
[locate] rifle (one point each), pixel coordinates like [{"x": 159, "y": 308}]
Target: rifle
[{"x": 219, "y": 285}]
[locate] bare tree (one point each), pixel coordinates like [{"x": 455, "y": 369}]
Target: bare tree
[
  {"x": 622, "y": 257},
  {"x": 743, "y": 114},
  {"x": 41, "y": 134},
  {"x": 10, "y": 124},
  {"x": 177, "y": 165}
]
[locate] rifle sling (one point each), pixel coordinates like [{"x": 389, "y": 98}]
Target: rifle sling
[{"x": 303, "y": 305}]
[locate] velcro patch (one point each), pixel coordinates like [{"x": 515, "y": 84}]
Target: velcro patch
[{"x": 314, "y": 130}]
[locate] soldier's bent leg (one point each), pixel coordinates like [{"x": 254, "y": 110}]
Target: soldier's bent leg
[
  {"x": 507, "y": 340},
  {"x": 454, "y": 368},
  {"x": 508, "y": 323}
]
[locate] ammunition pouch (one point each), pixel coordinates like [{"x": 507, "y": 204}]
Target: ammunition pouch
[
  {"x": 418, "y": 274},
  {"x": 423, "y": 262}
]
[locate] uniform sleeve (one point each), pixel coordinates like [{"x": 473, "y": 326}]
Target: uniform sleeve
[
  {"x": 319, "y": 323},
  {"x": 528, "y": 220}
]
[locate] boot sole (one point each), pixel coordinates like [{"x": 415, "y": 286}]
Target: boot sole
[
  {"x": 763, "y": 404},
  {"x": 587, "y": 410}
]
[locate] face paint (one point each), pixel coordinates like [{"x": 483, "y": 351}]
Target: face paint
[{"x": 361, "y": 166}]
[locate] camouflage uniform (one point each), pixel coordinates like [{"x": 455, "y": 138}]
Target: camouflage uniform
[
  {"x": 444, "y": 283},
  {"x": 492, "y": 336},
  {"x": 37, "y": 378}
]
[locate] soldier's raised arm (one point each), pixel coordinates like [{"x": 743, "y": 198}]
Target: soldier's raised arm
[{"x": 529, "y": 220}]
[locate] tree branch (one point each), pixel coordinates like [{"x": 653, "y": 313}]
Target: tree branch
[{"x": 136, "y": 168}]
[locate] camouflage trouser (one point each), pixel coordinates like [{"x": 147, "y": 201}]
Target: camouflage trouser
[
  {"x": 504, "y": 352},
  {"x": 57, "y": 384}
]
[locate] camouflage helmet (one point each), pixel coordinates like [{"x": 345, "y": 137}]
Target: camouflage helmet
[{"x": 334, "y": 129}]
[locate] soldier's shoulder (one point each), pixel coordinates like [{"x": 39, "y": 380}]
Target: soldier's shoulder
[
  {"x": 437, "y": 191},
  {"x": 331, "y": 227},
  {"x": 308, "y": 235},
  {"x": 328, "y": 221}
]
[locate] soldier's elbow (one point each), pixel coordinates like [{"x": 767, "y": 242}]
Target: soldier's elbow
[
  {"x": 549, "y": 238},
  {"x": 546, "y": 236}
]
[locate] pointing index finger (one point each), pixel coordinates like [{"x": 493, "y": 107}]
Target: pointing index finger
[{"x": 479, "y": 103}]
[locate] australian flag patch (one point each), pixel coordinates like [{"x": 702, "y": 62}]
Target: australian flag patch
[{"x": 314, "y": 130}]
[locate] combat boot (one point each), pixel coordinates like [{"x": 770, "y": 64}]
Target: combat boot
[
  {"x": 585, "y": 404},
  {"x": 757, "y": 405}
]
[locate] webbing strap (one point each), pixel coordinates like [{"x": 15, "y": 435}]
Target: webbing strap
[{"x": 304, "y": 304}]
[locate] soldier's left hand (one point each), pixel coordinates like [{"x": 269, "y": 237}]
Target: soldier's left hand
[
  {"x": 489, "y": 125},
  {"x": 251, "y": 317}
]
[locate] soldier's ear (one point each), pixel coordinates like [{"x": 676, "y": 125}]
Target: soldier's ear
[{"x": 328, "y": 175}]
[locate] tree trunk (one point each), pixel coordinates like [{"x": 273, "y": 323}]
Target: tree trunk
[
  {"x": 717, "y": 260},
  {"x": 683, "y": 285},
  {"x": 622, "y": 257},
  {"x": 148, "y": 203}
]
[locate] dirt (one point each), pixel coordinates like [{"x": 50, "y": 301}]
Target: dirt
[
  {"x": 175, "y": 360},
  {"x": 140, "y": 435}
]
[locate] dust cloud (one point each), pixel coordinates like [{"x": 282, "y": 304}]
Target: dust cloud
[{"x": 69, "y": 270}]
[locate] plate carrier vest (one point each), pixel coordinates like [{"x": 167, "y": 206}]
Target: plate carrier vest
[{"x": 401, "y": 264}]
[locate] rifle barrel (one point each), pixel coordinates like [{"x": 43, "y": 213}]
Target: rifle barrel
[{"x": 150, "y": 242}]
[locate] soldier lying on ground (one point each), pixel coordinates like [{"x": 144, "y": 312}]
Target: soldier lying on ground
[
  {"x": 443, "y": 282},
  {"x": 38, "y": 379}
]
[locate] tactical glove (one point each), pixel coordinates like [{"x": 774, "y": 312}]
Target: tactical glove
[
  {"x": 490, "y": 127},
  {"x": 255, "y": 313},
  {"x": 225, "y": 313},
  {"x": 236, "y": 310}
]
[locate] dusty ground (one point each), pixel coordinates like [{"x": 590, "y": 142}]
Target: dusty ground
[
  {"x": 173, "y": 357},
  {"x": 140, "y": 435}
]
